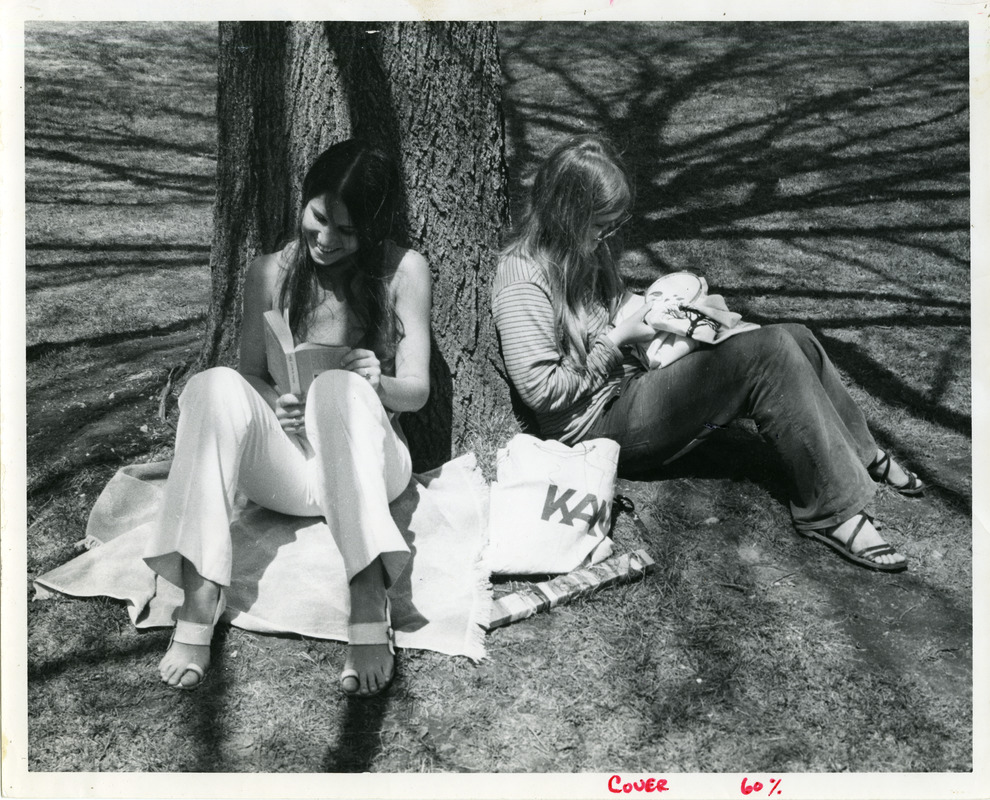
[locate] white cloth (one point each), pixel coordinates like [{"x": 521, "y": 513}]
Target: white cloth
[
  {"x": 683, "y": 314},
  {"x": 288, "y": 575},
  {"x": 347, "y": 468}
]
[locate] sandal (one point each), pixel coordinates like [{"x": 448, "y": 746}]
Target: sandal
[
  {"x": 865, "y": 557},
  {"x": 370, "y": 633},
  {"x": 880, "y": 472},
  {"x": 198, "y": 634}
]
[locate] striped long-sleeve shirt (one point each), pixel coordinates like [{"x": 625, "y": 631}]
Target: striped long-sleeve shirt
[{"x": 565, "y": 397}]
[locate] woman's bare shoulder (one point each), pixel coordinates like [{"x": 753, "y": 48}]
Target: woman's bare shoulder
[
  {"x": 408, "y": 265},
  {"x": 266, "y": 272}
]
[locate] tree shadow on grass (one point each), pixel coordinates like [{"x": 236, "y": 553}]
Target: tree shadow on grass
[
  {"x": 107, "y": 77},
  {"x": 360, "y": 735},
  {"x": 776, "y": 138},
  {"x": 79, "y": 273},
  {"x": 142, "y": 177},
  {"x": 193, "y": 715},
  {"x": 41, "y": 349},
  {"x": 841, "y": 660},
  {"x": 653, "y": 74},
  {"x": 844, "y": 142}
]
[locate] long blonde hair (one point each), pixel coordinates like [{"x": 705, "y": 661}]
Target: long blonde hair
[{"x": 582, "y": 179}]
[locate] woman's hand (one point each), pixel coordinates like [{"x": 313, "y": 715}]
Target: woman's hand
[
  {"x": 291, "y": 413},
  {"x": 366, "y": 364},
  {"x": 634, "y": 329}
]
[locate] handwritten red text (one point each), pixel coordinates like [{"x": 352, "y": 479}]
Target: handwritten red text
[{"x": 617, "y": 786}]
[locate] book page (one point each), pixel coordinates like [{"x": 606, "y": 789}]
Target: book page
[{"x": 312, "y": 359}]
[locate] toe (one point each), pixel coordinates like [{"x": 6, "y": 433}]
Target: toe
[
  {"x": 374, "y": 667},
  {"x": 174, "y": 667},
  {"x": 166, "y": 671},
  {"x": 189, "y": 679}
]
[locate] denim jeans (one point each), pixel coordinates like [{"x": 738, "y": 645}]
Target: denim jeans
[{"x": 779, "y": 376}]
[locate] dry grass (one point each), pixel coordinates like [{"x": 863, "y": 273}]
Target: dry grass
[{"x": 822, "y": 180}]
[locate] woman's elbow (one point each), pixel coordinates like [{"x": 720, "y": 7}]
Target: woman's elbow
[
  {"x": 536, "y": 401},
  {"x": 412, "y": 398},
  {"x": 419, "y": 396}
]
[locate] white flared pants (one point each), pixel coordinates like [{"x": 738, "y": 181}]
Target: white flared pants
[{"x": 347, "y": 468}]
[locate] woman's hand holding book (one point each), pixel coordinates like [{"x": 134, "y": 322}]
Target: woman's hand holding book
[
  {"x": 366, "y": 364},
  {"x": 291, "y": 413}
]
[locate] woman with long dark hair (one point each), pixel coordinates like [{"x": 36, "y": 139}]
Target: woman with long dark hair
[
  {"x": 555, "y": 297},
  {"x": 338, "y": 452}
]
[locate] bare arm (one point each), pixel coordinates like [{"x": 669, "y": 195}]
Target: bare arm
[
  {"x": 412, "y": 286},
  {"x": 259, "y": 294}
]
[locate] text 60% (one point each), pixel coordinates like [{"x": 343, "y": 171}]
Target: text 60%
[{"x": 756, "y": 786}]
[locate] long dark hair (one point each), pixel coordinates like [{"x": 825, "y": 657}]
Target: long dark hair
[
  {"x": 366, "y": 181},
  {"x": 583, "y": 178}
]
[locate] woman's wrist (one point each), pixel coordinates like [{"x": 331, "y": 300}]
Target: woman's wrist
[{"x": 614, "y": 337}]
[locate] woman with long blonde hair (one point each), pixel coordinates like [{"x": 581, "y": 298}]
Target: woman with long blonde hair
[{"x": 555, "y": 297}]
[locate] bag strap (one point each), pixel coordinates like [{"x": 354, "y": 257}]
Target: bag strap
[{"x": 623, "y": 505}]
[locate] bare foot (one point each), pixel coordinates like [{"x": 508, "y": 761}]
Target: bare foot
[
  {"x": 374, "y": 665},
  {"x": 866, "y": 538},
  {"x": 368, "y": 668},
  {"x": 184, "y": 664}
]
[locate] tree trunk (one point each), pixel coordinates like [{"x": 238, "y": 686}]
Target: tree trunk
[{"x": 427, "y": 92}]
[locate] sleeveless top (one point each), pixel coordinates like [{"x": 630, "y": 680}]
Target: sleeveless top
[{"x": 338, "y": 327}]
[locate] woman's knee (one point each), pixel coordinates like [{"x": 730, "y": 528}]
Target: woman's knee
[
  {"x": 807, "y": 343},
  {"x": 340, "y": 387},
  {"x": 213, "y": 388},
  {"x": 766, "y": 343},
  {"x": 798, "y": 332}
]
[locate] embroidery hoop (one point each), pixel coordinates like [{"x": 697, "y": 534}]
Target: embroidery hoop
[{"x": 679, "y": 287}]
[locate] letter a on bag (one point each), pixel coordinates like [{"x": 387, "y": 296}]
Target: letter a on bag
[{"x": 549, "y": 508}]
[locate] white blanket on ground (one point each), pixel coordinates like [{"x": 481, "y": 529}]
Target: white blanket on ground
[{"x": 288, "y": 574}]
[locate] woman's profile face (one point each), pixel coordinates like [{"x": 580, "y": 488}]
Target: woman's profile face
[
  {"x": 328, "y": 231},
  {"x": 603, "y": 226}
]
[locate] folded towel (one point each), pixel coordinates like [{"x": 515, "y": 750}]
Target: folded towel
[{"x": 288, "y": 575}]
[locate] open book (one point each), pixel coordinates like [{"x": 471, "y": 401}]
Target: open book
[{"x": 292, "y": 367}]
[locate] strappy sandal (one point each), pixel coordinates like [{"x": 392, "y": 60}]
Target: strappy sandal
[
  {"x": 370, "y": 633},
  {"x": 196, "y": 633},
  {"x": 865, "y": 557},
  {"x": 880, "y": 472}
]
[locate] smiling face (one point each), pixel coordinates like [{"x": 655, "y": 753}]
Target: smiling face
[{"x": 328, "y": 230}]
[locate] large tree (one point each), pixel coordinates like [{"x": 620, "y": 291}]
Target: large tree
[{"x": 427, "y": 92}]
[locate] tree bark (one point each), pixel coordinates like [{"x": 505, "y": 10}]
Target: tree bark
[{"x": 428, "y": 93}]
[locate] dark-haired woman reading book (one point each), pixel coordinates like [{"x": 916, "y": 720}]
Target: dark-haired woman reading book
[{"x": 337, "y": 451}]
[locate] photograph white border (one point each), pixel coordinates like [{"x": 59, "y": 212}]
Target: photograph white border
[{"x": 16, "y": 781}]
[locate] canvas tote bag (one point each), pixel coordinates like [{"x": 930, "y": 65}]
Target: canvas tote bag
[{"x": 551, "y": 505}]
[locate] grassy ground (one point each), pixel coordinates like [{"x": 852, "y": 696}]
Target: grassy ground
[{"x": 813, "y": 173}]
